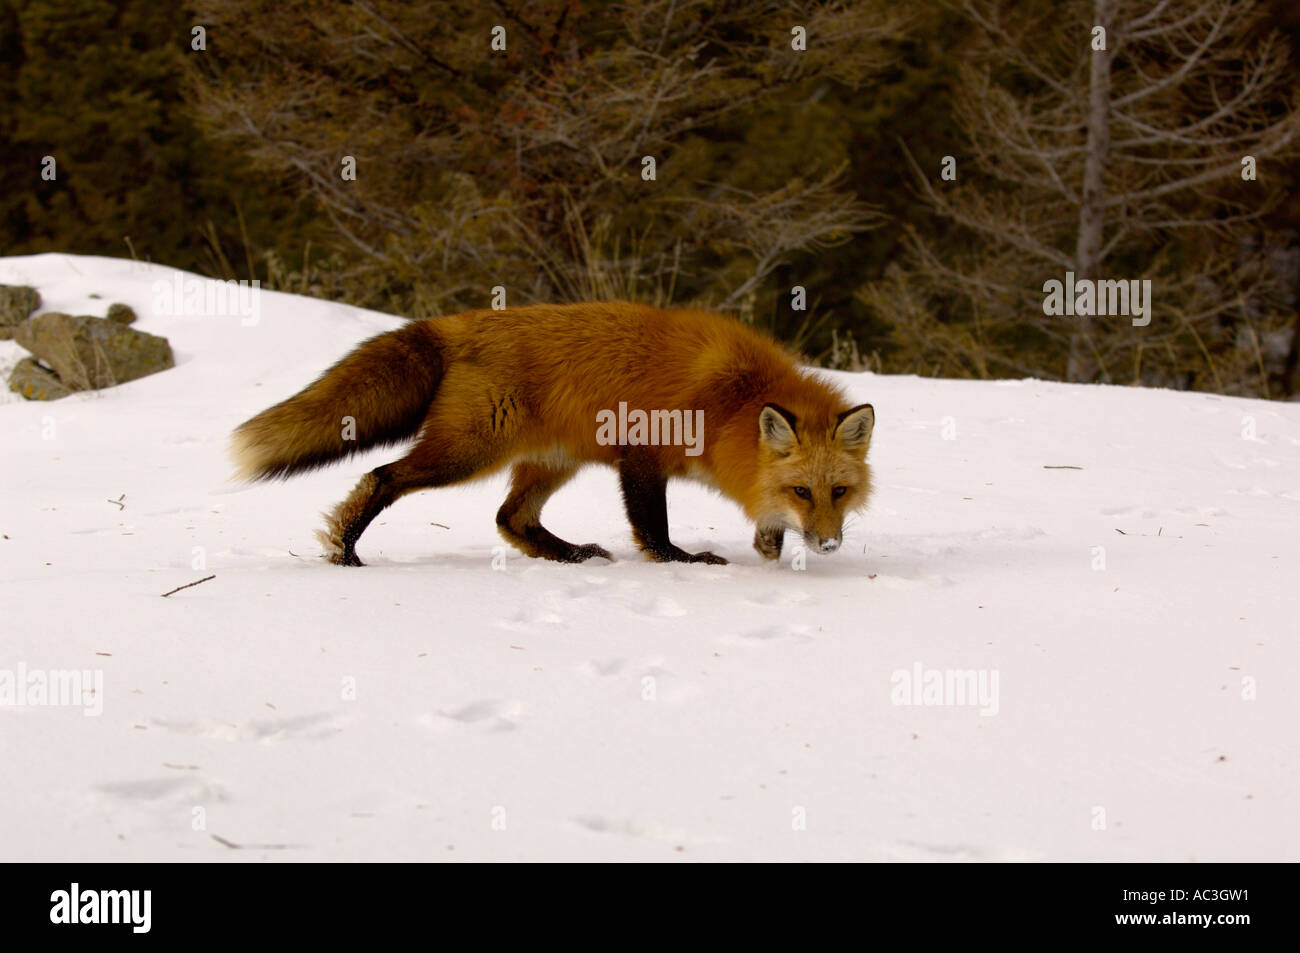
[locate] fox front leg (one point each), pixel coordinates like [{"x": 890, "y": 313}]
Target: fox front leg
[
  {"x": 768, "y": 541},
  {"x": 645, "y": 495}
]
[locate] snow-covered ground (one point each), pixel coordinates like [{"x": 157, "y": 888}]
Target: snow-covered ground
[{"x": 1138, "y": 618}]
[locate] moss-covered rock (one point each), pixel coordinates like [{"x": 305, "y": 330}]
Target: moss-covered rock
[
  {"x": 35, "y": 382},
  {"x": 88, "y": 353},
  {"x": 17, "y": 302},
  {"x": 121, "y": 313}
]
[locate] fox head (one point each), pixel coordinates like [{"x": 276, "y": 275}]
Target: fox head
[{"x": 812, "y": 473}]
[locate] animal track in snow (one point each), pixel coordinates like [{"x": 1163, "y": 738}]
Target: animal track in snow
[
  {"x": 662, "y": 607},
  {"x": 525, "y": 620},
  {"x": 488, "y": 715},
  {"x": 911, "y": 850},
  {"x": 1118, "y": 510},
  {"x": 890, "y": 581},
  {"x": 641, "y": 830},
  {"x": 1255, "y": 491},
  {"x": 914, "y": 851},
  {"x": 783, "y": 632},
  {"x": 1201, "y": 511},
  {"x": 260, "y": 730},
  {"x": 780, "y": 599},
  {"x": 553, "y": 607},
  {"x": 603, "y": 668},
  {"x": 186, "y": 790}
]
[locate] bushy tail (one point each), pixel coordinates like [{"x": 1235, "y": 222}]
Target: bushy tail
[{"x": 385, "y": 386}]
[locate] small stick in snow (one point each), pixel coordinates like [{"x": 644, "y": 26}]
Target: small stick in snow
[
  {"x": 1063, "y": 466},
  {"x": 233, "y": 846},
  {"x": 440, "y": 524},
  {"x": 1120, "y": 531},
  {"x": 188, "y": 584},
  {"x": 118, "y": 501}
]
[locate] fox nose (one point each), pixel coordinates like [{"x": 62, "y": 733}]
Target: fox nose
[{"x": 828, "y": 545}]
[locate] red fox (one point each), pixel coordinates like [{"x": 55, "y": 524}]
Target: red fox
[{"x": 537, "y": 387}]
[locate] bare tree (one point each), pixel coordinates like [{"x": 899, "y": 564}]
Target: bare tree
[
  {"x": 1106, "y": 138},
  {"x": 526, "y": 166}
]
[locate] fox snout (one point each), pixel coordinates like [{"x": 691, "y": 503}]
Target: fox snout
[{"x": 822, "y": 544}]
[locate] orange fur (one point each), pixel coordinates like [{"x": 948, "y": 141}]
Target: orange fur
[{"x": 485, "y": 389}]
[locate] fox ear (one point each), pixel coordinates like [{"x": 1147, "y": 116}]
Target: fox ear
[
  {"x": 776, "y": 429},
  {"x": 853, "y": 431}
]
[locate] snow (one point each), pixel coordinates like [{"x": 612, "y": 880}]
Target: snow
[{"x": 635, "y": 711}]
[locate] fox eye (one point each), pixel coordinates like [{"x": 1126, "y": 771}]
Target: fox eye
[
  {"x": 802, "y": 492},
  {"x": 838, "y": 491}
]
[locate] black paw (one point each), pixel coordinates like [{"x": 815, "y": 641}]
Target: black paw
[
  {"x": 768, "y": 544},
  {"x": 675, "y": 554},
  {"x": 589, "y": 551}
]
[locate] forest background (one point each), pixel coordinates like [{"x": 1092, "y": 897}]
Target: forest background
[{"x": 884, "y": 186}]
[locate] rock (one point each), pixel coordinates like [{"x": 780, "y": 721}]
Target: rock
[
  {"x": 16, "y": 303},
  {"x": 35, "y": 382},
  {"x": 121, "y": 313},
  {"x": 87, "y": 353}
]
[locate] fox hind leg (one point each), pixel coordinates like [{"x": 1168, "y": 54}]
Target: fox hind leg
[
  {"x": 347, "y": 521},
  {"x": 519, "y": 522},
  {"x": 434, "y": 462}
]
